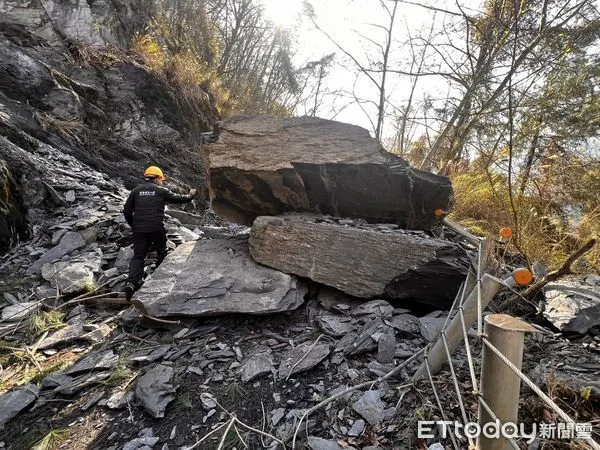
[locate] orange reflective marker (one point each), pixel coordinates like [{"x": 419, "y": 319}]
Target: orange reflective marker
[
  {"x": 440, "y": 213},
  {"x": 506, "y": 233},
  {"x": 522, "y": 276}
]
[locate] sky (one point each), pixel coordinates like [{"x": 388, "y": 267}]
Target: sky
[{"x": 350, "y": 23}]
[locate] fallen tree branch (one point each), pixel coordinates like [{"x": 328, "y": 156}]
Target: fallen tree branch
[
  {"x": 224, "y": 437},
  {"x": 96, "y": 298},
  {"x": 563, "y": 270},
  {"x": 369, "y": 384},
  {"x": 232, "y": 423}
]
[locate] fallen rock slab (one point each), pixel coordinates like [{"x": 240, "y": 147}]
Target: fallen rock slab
[
  {"x": 366, "y": 340},
  {"x": 155, "y": 391},
  {"x": 119, "y": 400},
  {"x": 217, "y": 276},
  {"x": 374, "y": 308},
  {"x": 270, "y": 165},
  {"x": 123, "y": 258},
  {"x": 71, "y": 386},
  {"x": 386, "y": 348},
  {"x": 358, "y": 427},
  {"x": 584, "y": 382},
  {"x": 13, "y": 402},
  {"x": 431, "y": 327},
  {"x": 336, "y": 326},
  {"x": 362, "y": 262},
  {"x": 63, "y": 336},
  {"x": 572, "y": 307}
]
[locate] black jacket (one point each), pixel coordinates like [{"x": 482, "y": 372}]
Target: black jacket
[{"x": 145, "y": 207}]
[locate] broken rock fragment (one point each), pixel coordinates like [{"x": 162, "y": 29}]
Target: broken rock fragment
[
  {"x": 335, "y": 325},
  {"x": 13, "y": 402},
  {"x": 374, "y": 308},
  {"x": 72, "y": 278},
  {"x": 98, "y": 360},
  {"x": 155, "y": 391},
  {"x": 302, "y": 358},
  {"x": 572, "y": 307},
  {"x": 256, "y": 367},
  {"x": 370, "y": 407},
  {"x": 19, "y": 311},
  {"x": 317, "y": 443},
  {"x": 72, "y": 240}
]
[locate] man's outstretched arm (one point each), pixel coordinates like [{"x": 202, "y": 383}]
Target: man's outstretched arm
[{"x": 171, "y": 197}]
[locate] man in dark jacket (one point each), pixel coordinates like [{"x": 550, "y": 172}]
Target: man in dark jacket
[{"x": 145, "y": 212}]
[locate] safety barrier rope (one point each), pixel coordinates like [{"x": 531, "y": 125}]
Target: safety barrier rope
[
  {"x": 538, "y": 391},
  {"x": 506, "y": 239}
]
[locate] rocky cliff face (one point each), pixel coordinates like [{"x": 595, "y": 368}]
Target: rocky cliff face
[{"x": 67, "y": 88}]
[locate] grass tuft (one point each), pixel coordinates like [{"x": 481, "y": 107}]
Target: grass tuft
[
  {"x": 46, "y": 321},
  {"x": 236, "y": 392},
  {"x": 52, "y": 439},
  {"x": 184, "y": 401}
]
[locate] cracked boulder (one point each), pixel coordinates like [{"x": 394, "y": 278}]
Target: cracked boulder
[
  {"x": 214, "y": 277},
  {"x": 270, "y": 165},
  {"x": 361, "y": 261}
]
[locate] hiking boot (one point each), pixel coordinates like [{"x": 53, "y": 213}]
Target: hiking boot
[{"x": 129, "y": 290}]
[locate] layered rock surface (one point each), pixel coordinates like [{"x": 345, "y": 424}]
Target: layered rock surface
[
  {"x": 217, "y": 276},
  {"x": 264, "y": 166},
  {"x": 360, "y": 259},
  {"x": 573, "y": 306}
]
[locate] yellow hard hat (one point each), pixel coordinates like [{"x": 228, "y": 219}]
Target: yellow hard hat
[{"x": 153, "y": 171}]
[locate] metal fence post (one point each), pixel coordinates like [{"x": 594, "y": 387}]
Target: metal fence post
[{"x": 500, "y": 386}]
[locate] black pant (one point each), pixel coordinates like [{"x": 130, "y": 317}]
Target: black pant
[{"x": 141, "y": 246}]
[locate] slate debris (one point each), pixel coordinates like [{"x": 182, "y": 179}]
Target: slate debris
[
  {"x": 256, "y": 367},
  {"x": 94, "y": 361},
  {"x": 155, "y": 390},
  {"x": 15, "y": 401},
  {"x": 370, "y": 407},
  {"x": 302, "y": 358},
  {"x": 573, "y": 306}
]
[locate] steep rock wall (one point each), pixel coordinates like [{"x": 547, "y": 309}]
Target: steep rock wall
[{"x": 66, "y": 84}]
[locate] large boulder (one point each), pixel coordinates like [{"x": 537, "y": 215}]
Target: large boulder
[
  {"x": 263, "y": 166},
  {"x": 360, "y": 259},
  {"x": 217, "y": 276}
]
